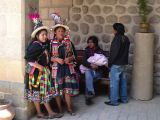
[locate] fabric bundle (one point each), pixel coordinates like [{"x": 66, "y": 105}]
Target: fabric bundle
[{"x": 98, "y": 59}]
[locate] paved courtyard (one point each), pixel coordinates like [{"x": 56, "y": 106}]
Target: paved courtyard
[{"x": 134, "y": 110}]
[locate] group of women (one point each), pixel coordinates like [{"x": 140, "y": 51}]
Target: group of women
[{"x": 50, "y": 69}]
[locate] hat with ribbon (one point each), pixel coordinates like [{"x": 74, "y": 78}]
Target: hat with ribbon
[
  {"x": 38, "y": 25},
  {"x": 58, "y": 21}
]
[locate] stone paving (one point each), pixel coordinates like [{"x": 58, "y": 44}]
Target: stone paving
[{"x": 134, "y": 110}]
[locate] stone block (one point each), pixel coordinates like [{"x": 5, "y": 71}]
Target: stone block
[
  {"x": 78, "y": 2},
  {"x": 84, "y": 28},
  {"x": 108, "y": 2},
  {"x": 106, "y": 47},
  {"x": 98, "y": 28},
  {"x": 158, "y": 9},
  {"x": 21, "y": 114},
  {"x": 95, "y": 9},
  {"x": 17, "y": 100},
  {"x": 100, "y": 19},
  {"x": 4, "y": 87},
  {"x": 61, "y": 3},
  {"x": 111, "y": 19},
  {"x": 150, "y": 9},
  {"x": 136, "y": 19},
  {"x": 105, "y": 38},
  {"x": 155, "y": 19},
  {"x": 107, "y": 9},
  {"x": 44, "y": 3},
  {"x": 73, "y": 27},
  {"x": 76, "y": 10},
  {"x": 132, "y": 9},
  {"x": 44, "y": 12},
  {"x": 89, "y": 19},
  {"x": 108, "y": 29},
  {"x": 1, "y": 95},
  {"x": 17, "y": 89},
  {"x": 135, "y": 29},
  {"x": 120, "y": 9},
  {"x": 76, "y": 39},
  {"x": 123, "y": 2},
  {"x": 48, "y": 23},
  {"x": 90, "y": 1},
  {"x": 126, "y": 19},
  {"x": 76, "y": 17},
  {"x": 132, "y": 1},
  {"x": 85, "y": 9},
  {"x": 152, "y": 2}
]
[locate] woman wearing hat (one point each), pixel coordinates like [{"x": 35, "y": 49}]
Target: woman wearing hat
[
  {"x": 118, "y": 60},
  {"x": 63, "y": 72},
  {"x": 37, "y": 82}
]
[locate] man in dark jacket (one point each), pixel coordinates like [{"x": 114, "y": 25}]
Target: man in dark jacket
[
  {"x": 118, "y": 60},
  {"x": 94, "y": 72}
]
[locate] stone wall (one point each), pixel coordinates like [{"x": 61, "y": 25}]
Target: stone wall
[{"x": 95, "y": 17}]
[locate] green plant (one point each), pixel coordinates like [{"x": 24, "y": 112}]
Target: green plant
[{"x": 143, "y": 10}]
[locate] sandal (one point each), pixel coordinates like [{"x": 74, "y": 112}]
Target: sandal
[
  {"x": 57, "y": 115},
  {"x": 42, "y": 116},
  {"x": 72, "y": 113}
]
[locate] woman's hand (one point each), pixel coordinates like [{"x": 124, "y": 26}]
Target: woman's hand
[
  {"x": 68, "y": 59},
  {"x": 60, "y": 61},
  {"x": 57, "y": 60},
  {"x": 40, "y": 67}
]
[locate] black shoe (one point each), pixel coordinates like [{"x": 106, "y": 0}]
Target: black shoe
[
  {"x": 89, "y": 101},
  {"x": 109, "y": 103},
  {"x": 123, "y": 101},
  {"x": 90, "y": 94}
]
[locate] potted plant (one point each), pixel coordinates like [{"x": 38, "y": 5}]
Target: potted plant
[{"x": 143, "y": 13}]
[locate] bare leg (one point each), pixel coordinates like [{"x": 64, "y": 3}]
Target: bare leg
[
  {"x": 37, "y": 105},
  {"x": 69, "y": 103},
  {"x": 58, "y": 101},
  {"x": 51, "y": 113},
  {"x": 49, "y": 110}
]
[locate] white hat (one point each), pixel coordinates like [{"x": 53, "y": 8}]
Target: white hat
[
  {"x": 58, "y": 21},
  {"x": 38, "y": 25},
  {"x": 60, "y": 25},
  {"x": 38, "y": 29}
]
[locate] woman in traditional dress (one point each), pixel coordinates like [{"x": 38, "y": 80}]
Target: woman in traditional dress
[
  {"x": 37, "y": 77},
  {"x": 63, "y": 72}
]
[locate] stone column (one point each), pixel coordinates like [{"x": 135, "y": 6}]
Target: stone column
[
  {"x": 142, "y": 82},
  {"x": 15, "y": 30}
]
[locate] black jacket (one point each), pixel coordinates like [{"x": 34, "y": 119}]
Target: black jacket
[
  {"x": 119, "y": 50},
  {"x": 35, "y": 52}
]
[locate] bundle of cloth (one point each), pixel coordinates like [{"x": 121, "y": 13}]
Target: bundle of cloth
[{"x": 97, "y": 59}]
